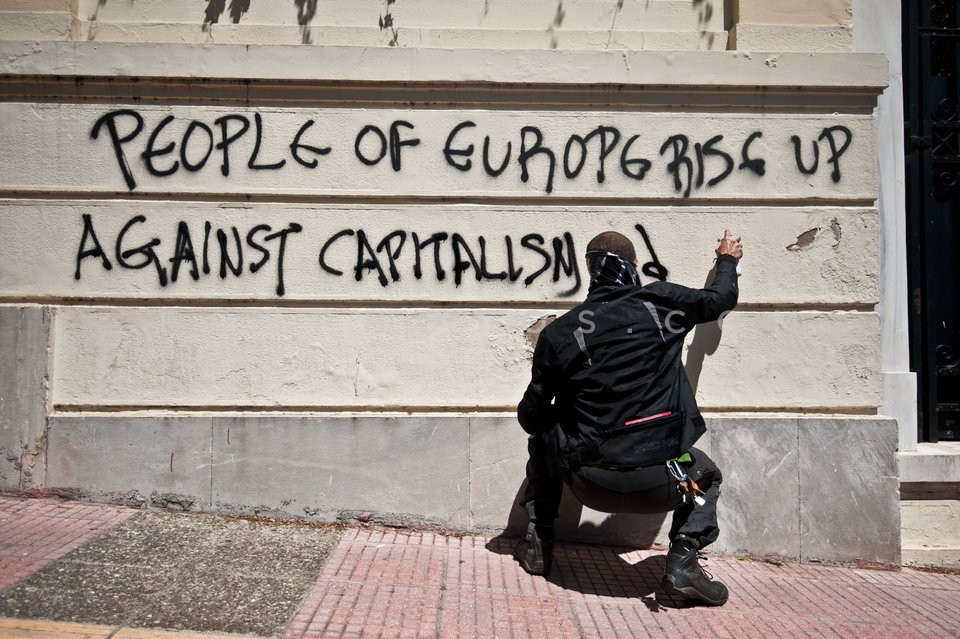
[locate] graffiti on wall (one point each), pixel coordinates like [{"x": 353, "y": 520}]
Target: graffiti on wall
[
  {"x": 170, "y": 147},
  {"x": 232, "y": 143},
  {"x": 391, "y": 258}
]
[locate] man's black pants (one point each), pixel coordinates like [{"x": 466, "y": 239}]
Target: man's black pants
[{"x": 646, "y": 490}]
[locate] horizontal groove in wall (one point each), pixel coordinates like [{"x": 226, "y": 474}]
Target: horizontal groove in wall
[
  {"x": 479, "y": 305},
  {"x": 293, "y": 304},
  {"x": 530, "y": 201},
  {"x": 806, "y": 411},
  {"x": 923, "y": 491},
  {"x": 461, "y": 411},
  {"x": 435, "y": 95},
  {"x": 278, "y": 411}
]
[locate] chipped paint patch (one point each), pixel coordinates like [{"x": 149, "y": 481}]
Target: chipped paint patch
[
  {"x": 532, "y": 332},
  {"x": 806, "y": 239}
]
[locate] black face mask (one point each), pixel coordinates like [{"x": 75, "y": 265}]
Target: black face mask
[{"x": 610, "y": 269}]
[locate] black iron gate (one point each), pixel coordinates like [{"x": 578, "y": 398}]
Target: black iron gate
[{"x": 931, "y": 51}]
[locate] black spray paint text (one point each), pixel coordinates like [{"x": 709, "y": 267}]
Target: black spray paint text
[
  {"x": 261, "y": 241},
  {"x": 350, "y": 253},
  {"x": 171, "y": 146},
  {"x": 428, "y": 254}
]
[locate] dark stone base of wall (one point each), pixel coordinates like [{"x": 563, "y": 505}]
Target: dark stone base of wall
[{"x": 813, "y": 489}]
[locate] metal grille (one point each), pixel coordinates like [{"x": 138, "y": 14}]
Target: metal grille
[{"x": 931, "y": 62}]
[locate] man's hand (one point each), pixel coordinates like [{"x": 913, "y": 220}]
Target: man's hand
[{"x": 730, "y": 245}]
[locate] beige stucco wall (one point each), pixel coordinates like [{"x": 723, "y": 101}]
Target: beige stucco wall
[
  {"x": 785, "y": 25},
  {"x": 803, "y": 255},
  {"x": 280, "y": 246},
  {"x": 434, "y": 153},
  {"x": 789, "y": 12},
  {"x": 389, "y": 282},
  {"x": 590, "y": 24},
  {"x": 422, "y": 358},
  {"x": 751, "y": 25}
]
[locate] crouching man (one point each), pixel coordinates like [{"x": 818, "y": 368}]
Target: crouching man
[{"x": 610, "y": 412}]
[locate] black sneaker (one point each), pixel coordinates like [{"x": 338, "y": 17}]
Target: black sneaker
[
  {"x": 535, "y": 555},
  {"x": 685, "y": 576}
]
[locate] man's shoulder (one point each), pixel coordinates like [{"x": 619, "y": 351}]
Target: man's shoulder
[
  {"x": 566, "y": 320},
  {"x": 563, "y": 327},
  {"x": 663, "y": 292},
  {"x": 656, "y": 292}
]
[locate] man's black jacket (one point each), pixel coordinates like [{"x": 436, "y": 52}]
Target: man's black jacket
[{"x": 608, "y": 384}]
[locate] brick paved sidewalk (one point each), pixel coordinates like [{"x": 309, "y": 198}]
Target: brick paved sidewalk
[
  {"x": 394, "y": 583},
  {"x": 35, "y": 532},
  {"x": 398, "y": 584}
]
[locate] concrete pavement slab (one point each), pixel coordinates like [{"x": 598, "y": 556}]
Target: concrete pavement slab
[{"x": 179, "y": 571}]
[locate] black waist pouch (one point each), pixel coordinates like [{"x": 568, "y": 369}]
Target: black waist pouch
[{"x": 640, "y": 442}]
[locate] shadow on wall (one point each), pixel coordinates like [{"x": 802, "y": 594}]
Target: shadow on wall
[
  {"x": 306, "y": 10},
  {"x": 639, "y": 530},
  {"x": 704, "y": 15},
  {"x": 706, "y": 339},
  {"x": 216, "y": 8}
]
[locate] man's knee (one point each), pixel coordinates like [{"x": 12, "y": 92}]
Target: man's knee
[{"x": 704, "y": 469}]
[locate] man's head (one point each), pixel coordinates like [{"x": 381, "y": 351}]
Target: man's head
[
  {"x": 611, "y": 261},
  {"x": 613, "y": 242}
]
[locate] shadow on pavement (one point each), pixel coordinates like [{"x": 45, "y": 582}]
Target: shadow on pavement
[{"x": 603, "y": 571}]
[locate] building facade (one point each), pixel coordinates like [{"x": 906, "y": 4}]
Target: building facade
[{"x": 291, "y": 257}]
